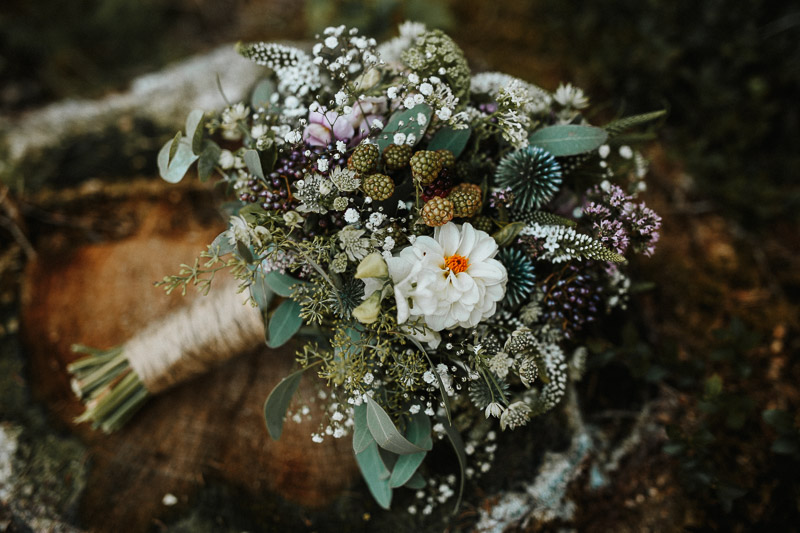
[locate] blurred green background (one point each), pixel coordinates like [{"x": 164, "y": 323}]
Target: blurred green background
[{"x": 727, "y": 166}]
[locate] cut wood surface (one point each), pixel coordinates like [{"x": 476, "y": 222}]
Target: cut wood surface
[{"x": 100, "y": 294}]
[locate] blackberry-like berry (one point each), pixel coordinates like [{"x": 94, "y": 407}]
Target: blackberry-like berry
[
  {"x": 447, "y": 158},
  {"x": 466, "y": 199},
  {"x": 396, "y": 156},
  {"x": 437, "y": 211},
  {"x": 425, "y": 166},
  {"x": 441, "y": 186},
  {"x": 364, "y": 159},
  {"x": 483, "y": 223},
  {"x": 378, "y": 186}
]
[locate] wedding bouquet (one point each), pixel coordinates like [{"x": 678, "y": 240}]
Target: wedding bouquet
[{"x": 439, "y": 238}]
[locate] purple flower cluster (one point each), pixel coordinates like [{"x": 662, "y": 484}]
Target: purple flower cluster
[
  {"x": 573, "y": 299},
  {"x": 619, "y": 222},
  {"x": 502, "y": 197}
]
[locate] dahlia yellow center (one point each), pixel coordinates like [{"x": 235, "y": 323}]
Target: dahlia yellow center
[{"x": 456, "y": 263}]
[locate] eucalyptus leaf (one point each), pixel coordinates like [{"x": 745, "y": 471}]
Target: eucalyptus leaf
[
  {"x": 506, "y": 235},
  {"x": 406, "y": 122},
  {"x": 261, "y": 292},
  {"x": 375, "y": 474},
  {"x": 284, "y": 323},
  {"x": 208, "y": 160},
  {"x": 261, "y": 94},
  {"x": 253, "y": 162},
  {"x": 173, "y": 169},
  {"x": 569, "y": 139},
  {"x": 451, "y": 139},
  {"x": 386, "y": 434},
  {"x": 419, "y": 433},
  {"x": 458, "y": 445},
  {"x": 361, "y": 435},
  {"x": 194, "y": 130},
  {"x": 281, "y": 283},
  {"x": 221, "y": 245},
  {"x": 416, "y": 482},
  {"x": 244, "y": 252},
  {"x": 278, "y": 402}
]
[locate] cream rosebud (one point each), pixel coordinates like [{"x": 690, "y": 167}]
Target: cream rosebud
[
  {"x": 368, "y": 311},
  {"x": 372, "y": 266}
]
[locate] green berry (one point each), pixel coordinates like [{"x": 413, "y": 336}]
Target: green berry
[
  {"x": 466, "y": 199},
  {"x": 396, "y": 156},
  {"x": 378, "y": 186},
  {"x": 447, "y": 158},
  {"x": 437, "y": 211},
  {"x": 364, "y": 159},
  {"x": 425, "y": 166}
]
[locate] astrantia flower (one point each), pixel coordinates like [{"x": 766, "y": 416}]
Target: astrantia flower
[{"x": 448, "y": 280}]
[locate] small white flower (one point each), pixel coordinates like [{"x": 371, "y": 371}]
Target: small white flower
[
  {"x": 414, "y": 409},
  {"x": 322, "y": 164},
  {"x": 391, "y": 92},
  {"x": 341, "y": 146},
  {"x": 369, "y": 378},
  {"x": 376, "y": 218},
  {"x": 604, "y": 150},
  {"x": 316, "y": 437},
  {"x": 626, "y": 152},
  {"x": 226, "y": 159},
  {"x": 331, "y": 42},
  {"x": 351, "y": 216},
  {"x": 444, "y": 113},
  {"x": 399, "y": 138},
  {"x": 493, "y": 409},
  {"x": 426, "y": 89},
  {"x": 293, "y": 137},
  {"x": 413, "y": 78}
]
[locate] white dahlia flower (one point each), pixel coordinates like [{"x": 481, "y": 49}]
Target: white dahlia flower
[{"x": 451, "y": 279}]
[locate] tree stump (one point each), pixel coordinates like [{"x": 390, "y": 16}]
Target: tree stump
[{"x": 100, "y": 294}]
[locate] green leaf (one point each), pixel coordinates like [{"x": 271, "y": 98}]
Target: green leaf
[
  {"x": 451, "y": 139},
  {"x": 410, "y": 125},
  {"x": 221, "y": 245},
  {"x": 566, "y": 140},
  {"x": 260, "y": 291},
  {"x": 261, "y": 94},
  {"x": 416, "y": 482},
  {"x": 386, "y": 434},
  {"x": 173, "y": 148},
  {"x": 284, "y": 323},
  {"x": 281, "y": 283},
  {"x": 458, "y": 445},
  {"x": 244, "y": 252},
  {"x": 173, "y": 169},
  {"x": 208, "y": 160},
  {"x": 615, "y": 127},
  {"x": 508, "y": 233},
  {"x": 194, "y": 130},
  {"x": 361, "y": 435},
  {"x": 253, "y": 162},
  {"x": 375, "y": 474},
  {"x": 419, "y": 433},
  {"x": 278, "y": 402}
]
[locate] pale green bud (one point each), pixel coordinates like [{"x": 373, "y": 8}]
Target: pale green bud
[
  {"x": 372, "y": 266},
  {"x": 368, "y": 311}
]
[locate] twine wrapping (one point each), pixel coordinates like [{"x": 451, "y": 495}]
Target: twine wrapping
[{"x": 192, "y": 340}]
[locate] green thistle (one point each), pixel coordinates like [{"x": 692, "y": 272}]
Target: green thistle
[
  {"x": 350, "y": 295},
  {"x": 533, "y": 174},
  {"x": 520, "y": 275},
  {"x": 483, "y": 392}
]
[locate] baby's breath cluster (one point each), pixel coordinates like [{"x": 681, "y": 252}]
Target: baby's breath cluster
[{"x": 430, "y": 235}]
